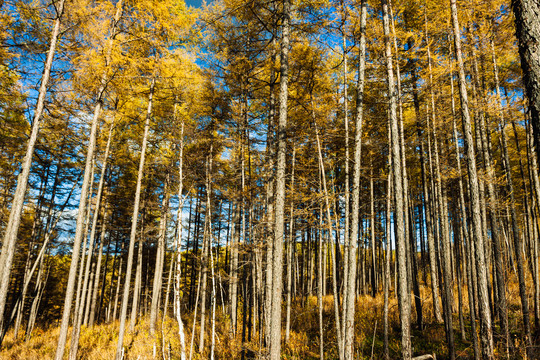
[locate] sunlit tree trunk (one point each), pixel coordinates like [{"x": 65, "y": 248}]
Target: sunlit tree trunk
[
  {"x": 92, "y": 315},
  {"x": 477, "y": 238},
  {"x": 133, "y": 233},
  {"x": 281, "y": 140},
  {"x": 399, "y": 220},
  {"x": 290, "y": 254},
  {"x": 12, "y": 228},
  {"x": 84, "y": 190},
  {"x": 350, "y": 290},
  {"x": 160, "y": 258}
]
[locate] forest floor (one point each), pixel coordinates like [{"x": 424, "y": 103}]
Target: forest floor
[{"x": 99, "y": 342}]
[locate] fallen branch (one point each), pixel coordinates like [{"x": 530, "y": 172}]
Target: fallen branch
[{"x": 425, "y": 357}]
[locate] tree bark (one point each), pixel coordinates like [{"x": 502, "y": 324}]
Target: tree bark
[
  {"x": 133, "y": 233},
  {"x": 527, "y": 20},
  {"x": 277, "y": 263},
  {"x": 160, "y": 258},
  {"x": 84, "y": 190},
  {"x": 12, "y": 228},
  {"x": 485, "y": 319},
  {"x": 351, "y": 248},
  {"x": 399, "y": 220}
]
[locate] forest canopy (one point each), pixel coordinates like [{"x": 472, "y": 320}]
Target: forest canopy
[{"x": 250, "y": 179}]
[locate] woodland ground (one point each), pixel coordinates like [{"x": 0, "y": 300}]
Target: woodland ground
[{"x": 99, "y": 342}]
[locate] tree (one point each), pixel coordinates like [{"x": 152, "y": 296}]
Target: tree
[
  {"x": 527, "y": 20},
  {"x": 10, "y": 237}
]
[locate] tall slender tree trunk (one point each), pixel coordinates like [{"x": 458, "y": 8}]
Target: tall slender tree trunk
[
  {"x": 270, "y": 195},
  {"x": 12, "y": 228},
  {"x": 84, "y": 190},
  {"x": 518, "y": 243},
  {"x": 137, "y": 290},
  {"x": 160, "y": 258},
  {"x": 351, "y": 248},
  {"x": 497, "y": 242},
  {"x": 207, "y": 247},
  {"x": 443, "y": 219},
  {"x": 527, "y": 19},
  {"x": 134, "y": 221},
  {"x": 477, "y": 239},
  {"x": 93, "y": 305},
  {"x": 399, "y": 220},
  {"x": 320, "y": 285},
  {"x": 533, "y": 171},
  {"x": 79, "y": 318},
  {"x": 347, "y": 203},
  {"x": 427, "y": 208},
  {"x": 290, "y": 254},
  {"x": 324, "y": 187},
  {"x": 388, "y": 258},
  {"x": 177, "y": 276},
  {"x": 281, "y": 139}
]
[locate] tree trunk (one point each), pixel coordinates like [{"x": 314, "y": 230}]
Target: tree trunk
[
  {"x": 527, "y": 17},
  {"x": 12, "y": 228},
  {"x": 485, "y": 319},
  {"x": 92, "y": 315},
  {"x": 160, "y": 258},
  {"x": 518, "y": 243},
  {"x": 290, "y": 254},
  {"x": 84, "y": 190},
  {"x": 351, "y": 248},
  {"x": 399, "y": 220},
  {"x": 133, "y": 233},
  {"x": 177, "y": 276},
  {"x": 277, "y": 264}
]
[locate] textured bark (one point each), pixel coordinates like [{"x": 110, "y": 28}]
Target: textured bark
[
  {"x": 160, "y": 258},
  {"x": 76, "y": 328},
  {"x": 498, "y": 245},
  {"x": 178, "y": 273},
  {"x": 290, "y": 255},
  {"x": 412, "y": 280},
  {"x": 518, "y": 243},
  {"x": 205, "y": 253},
  {"x": 324, "y": 188},
  {"x": 39, "y": 288},
  {"x": 93, "y": 305},
  {"x": 535, "y": 184},
  {"x": 320, "y": 286},
  {"x": 82, "y": 205},
  {"x": 138, "y": 271},
  {"x": 427, "y": 208},
  {"x": 281, "y": 140},
  {"x": 350, "y": 290},
  {"x": 443, "y": 220},
  {"x": 467, "y": 246},
  {"x": 347, "y": 203},
  {"x": 527, "y": 17},
  {"x": 12, "y": 228},
  {"x": 399, "y": 219},
  {"x": 270, "y": 188},
  {"x": 485, "y": 318},
  {"x": 74, "y": 345},
  {"x": 133, "y": 232},
  {"x": 177, "y": 276},
  {"x": 388, "y": 255},
  {"x": 233, "y": 291}
]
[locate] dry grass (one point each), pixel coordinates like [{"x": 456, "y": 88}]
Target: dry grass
[{"x": 100, "y": 341}]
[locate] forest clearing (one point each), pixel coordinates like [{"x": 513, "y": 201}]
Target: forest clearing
[{"x": 284, "y": 179}]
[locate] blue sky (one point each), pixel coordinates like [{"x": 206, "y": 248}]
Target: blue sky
[{"x": 194, "y": 3}]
